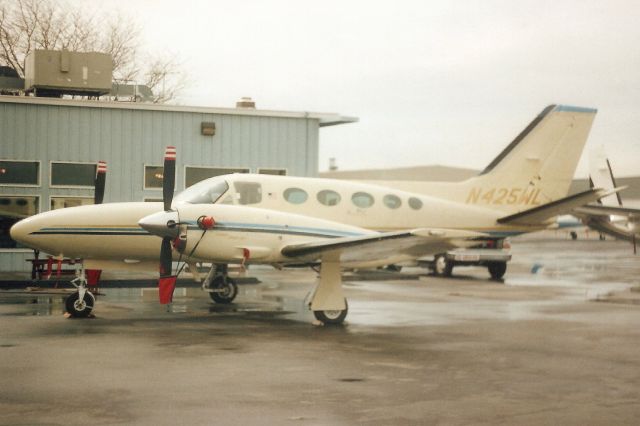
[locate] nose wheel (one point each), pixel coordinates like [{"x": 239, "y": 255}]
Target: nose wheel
[
  {"x": 80, "y": 304},
  {"x": 80, "y": 307}
]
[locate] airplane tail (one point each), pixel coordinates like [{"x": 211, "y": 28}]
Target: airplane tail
[
  {"x": 537, "y": 167},
  {"x": 601, "y": 176}
]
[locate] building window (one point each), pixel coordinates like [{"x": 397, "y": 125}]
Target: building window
[
  {"x": 362, "y": 200},
  {"x": 415, "y": 203},
  {"x": 392, "y": 201},
  {"x": 13, "y": 209},
  {"x": 248, "y": 192},
  {"x": 73, "y": 174},
  {"x": 194, "y": 174},
  {"x": 64, "y": 202},
  {"x": 328, "y": 197},
  {"x": 277, "y": 172},
  {"x": 19, "y": 173},
  {"x": 295, "y": 195},
  {"x": 153, "y": 176}
]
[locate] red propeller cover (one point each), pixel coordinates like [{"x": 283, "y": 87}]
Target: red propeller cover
[{"x": 166, "y": 286}]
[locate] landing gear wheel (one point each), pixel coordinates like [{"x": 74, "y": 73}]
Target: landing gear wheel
[
  {"x": 332, "y": 317},
  {"x": 224, "y": 290},
  {"x": 441, "y": 266},
  {"x": 80, "y": 308},
  {"x": 497, "y": 270}
]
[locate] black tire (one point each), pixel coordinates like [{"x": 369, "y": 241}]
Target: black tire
[
  {"x": 77, "y": 308},
  {"x": 332, "y": 317},
  {"x": 574, "y": 235},
  {"x": 497, "y": 270},
  {"x": 442, "y": 267},
  {"x": 228, "y": 285}
]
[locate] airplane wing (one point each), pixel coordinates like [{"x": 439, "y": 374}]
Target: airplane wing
[
  {"x": 386, "y": 245},
  {"x": 598, "y": 210},
  {"x": 540, "y": 214}
]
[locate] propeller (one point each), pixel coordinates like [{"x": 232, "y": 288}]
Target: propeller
[
  {"x": 101, "y": 177},
  {"x": 167, "y": 281},
  {"x": 166, "y": 224}
]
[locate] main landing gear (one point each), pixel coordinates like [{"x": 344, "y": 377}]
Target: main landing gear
[
  {"x": 80, "y": 304},
  {"x": 328, "y": 303},
  {"x": 221, "y": 288}
]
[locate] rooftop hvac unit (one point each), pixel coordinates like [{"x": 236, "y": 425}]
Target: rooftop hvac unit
[{"x": 60, "y": 72}]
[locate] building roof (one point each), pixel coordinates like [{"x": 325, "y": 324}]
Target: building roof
[
  {"x": 325, "y": 119},
  {"x": 433, "y": 173}
]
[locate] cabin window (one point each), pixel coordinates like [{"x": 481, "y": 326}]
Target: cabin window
[
  {"x": 73, "y": 174},
  {"x": 328, "y": 197},
  {"x": 12, "y": 210},
  {"x": 415, "y": 203},
  {"x": 248, "y": 192},
  {"x": 19, "y": 173},
  {"x": 205, "y": 192},
  {"x": 295, "y": 195},
  {"x": 64, "y": 202},
  {"x": 362, "y": 200},
  {"x": 392, "y": 201},
  {"x": 195, "y": 174}
]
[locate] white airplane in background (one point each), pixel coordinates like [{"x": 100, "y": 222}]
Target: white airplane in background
[
  {"x": 281, "y": 221},
  {"x": 609, "y": 216}
]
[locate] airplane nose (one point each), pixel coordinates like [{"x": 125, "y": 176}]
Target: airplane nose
[
  {"x": 162, "y": 224},
  {"x": 21, "y": 231}
]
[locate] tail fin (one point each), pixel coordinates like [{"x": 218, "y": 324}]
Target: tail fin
[
  {"x": 538, "y": 166},
  {"x": 601, "y": 176}
]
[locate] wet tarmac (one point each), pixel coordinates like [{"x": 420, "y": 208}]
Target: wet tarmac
[{"x": 556, "y": 343}]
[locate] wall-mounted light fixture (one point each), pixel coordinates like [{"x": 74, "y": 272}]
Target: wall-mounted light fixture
[{"x": 208, "y": 128}]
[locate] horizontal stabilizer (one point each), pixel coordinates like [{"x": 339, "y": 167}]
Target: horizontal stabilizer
[
  {"x": 372, "y": 247},
  {"x": 539, "y": 215}
]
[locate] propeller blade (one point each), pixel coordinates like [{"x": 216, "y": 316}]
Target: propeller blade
[
  {"x": 167, "y": 281},
  {"x": 101, "y": 177},
  {"x": 169, "y": 176},
  {"x": 166, "y": 257}
]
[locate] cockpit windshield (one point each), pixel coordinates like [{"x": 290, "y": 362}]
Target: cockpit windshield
[{"x": 206, "y": 192}]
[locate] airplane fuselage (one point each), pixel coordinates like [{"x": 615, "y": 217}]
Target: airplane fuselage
[{"x": 257, "y": 213}]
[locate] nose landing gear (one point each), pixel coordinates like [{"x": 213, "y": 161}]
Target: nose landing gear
[{"x": 80, "y": 304}]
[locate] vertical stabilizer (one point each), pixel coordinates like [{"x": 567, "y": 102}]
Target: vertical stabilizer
[
  {"x": 537, "y": 167},
  {"x": 601, "y": 176}
]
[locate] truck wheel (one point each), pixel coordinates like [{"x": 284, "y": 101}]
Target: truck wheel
[
  {"x": 497, "y": 270},
  {"x": 441, "y": 266}
]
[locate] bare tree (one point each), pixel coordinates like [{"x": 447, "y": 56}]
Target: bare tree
[{"x": 26, "y": 25}]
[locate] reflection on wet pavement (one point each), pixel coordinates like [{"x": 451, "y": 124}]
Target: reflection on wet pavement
[{"x": 564, "y": 272}]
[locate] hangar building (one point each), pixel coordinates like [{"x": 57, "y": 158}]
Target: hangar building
[{"x": 49, "y": 148}]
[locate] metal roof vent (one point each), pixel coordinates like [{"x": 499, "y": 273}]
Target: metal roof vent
[{"x": 246, "y": 102}]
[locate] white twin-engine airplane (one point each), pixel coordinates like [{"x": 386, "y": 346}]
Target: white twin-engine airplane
[{"x": 333, "y": 224}]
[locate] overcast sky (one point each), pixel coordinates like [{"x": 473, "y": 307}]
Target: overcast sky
[{"x": 433, "y": 82}]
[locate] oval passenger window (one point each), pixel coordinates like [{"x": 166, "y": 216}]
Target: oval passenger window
[
  {"x": 295, "y": 195},
  {"x": 328, "y": 197},
  {"x": 415, "y": 203},
  {"x": 392, "y": 201},
  {"x": 362, "y": 200}
]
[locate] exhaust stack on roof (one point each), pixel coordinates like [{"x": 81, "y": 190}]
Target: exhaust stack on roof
[{"x": 246, "y": 102}]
